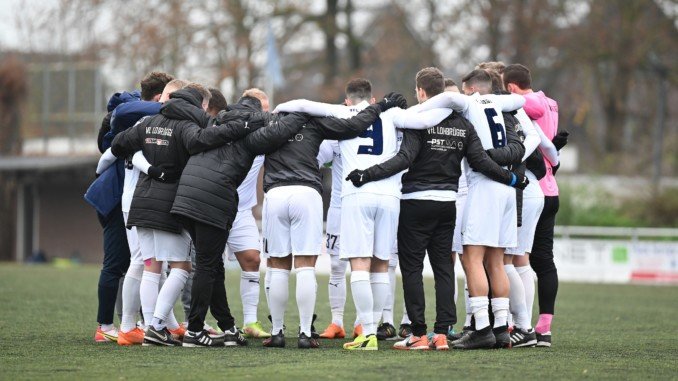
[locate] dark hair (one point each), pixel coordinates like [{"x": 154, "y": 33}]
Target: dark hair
[
  {"x": 359, "y": 89},
  {"x": 153, "y": 84},
  {"x": 431, "y": 80},
  {"x": 478, "y": 78},
  {"x": 519, "y": 75},
  {"x": 217, "y": 101},
  {"x": 449, "y": 82}
]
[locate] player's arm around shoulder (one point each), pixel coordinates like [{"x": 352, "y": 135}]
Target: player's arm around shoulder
[
  {"x": 278, "y": 131},
  {"x": 131, "y": 140},
  {"x": 341, "y": 129},
  {"x": 480, "y": 161},
  {"x": 512, "y": 153}
]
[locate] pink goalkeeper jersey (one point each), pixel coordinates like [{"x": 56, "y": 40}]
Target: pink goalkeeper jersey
[{"x": 544, "y": 111}]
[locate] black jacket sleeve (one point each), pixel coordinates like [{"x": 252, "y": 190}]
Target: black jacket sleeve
[
  {"x": 535, "y": 163},
  {"x": 196, "y": 139},
  {"x": 512, "y": 153},
  {"x": 341, "y": 129},
  {"x": 409, "y": 149},
  {"x": 481, "y": 162},
  {"x": 105, "y": 127},
  {"x": 128, "y": 142},
  {"x": 282, "y": 128}
]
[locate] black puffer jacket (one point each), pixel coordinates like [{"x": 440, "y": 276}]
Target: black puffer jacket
[
  {"x": 167, "y": 141},
  {"x": 208, "y": 186}
]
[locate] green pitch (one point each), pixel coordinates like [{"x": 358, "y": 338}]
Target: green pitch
[{"x": 601, "y": 332}]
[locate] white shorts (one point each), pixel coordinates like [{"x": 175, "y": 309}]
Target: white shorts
[
  {"x": 490, "y": 217},
  {"x": 457, "y": 247},
  {"x": 292, "y": 221},
  {"x": 164, "y": 246},
  {"x": 133, "y": 243},
  {"x": 532, "y": 208},
  {"x": 369, "y": 226},
  {"x": 393, "y": 261},
  {"x": 244, "y": 234}
]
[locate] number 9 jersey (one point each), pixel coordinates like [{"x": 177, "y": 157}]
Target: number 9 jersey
[{"x": 377, "y": 144}]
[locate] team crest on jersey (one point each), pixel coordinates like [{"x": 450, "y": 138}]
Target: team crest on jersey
[{"x": 298, "y": 137}]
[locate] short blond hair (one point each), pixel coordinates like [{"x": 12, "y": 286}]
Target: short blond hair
[
  {"x": 255, "y": 93},
  {"x": 497, "y": 66},
  {"x": 175, "y": 84}
]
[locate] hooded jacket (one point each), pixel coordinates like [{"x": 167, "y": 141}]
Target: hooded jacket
[
  {"x": 208, "y": 186},
  {"x": 167, "y": 140}
]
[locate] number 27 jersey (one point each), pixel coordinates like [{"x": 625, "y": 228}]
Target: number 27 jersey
[{"x": 376, "y": 145}]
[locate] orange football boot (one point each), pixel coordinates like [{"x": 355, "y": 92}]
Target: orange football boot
[
  {"x": 333, "y": 331},
  {"x": 133, "y": 337}
]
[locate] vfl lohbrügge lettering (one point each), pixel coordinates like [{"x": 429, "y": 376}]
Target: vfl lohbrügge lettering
[{"x": 163, "y": 131}]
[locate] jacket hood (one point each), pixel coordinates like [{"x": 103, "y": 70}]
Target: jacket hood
[
  {"x": 185, "y": 104},
  {"x": 242, "y": 110},
  {"x": 120, "y": 98},
  {"x": 246, "y": 103}
]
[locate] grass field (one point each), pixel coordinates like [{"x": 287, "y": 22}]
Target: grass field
[{"x": 600, "y": 332}]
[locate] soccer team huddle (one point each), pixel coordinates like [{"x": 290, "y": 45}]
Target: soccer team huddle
[{"x": 463, "y": 176}]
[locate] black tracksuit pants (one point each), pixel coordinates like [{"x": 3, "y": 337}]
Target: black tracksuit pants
[
  {"x": 427, "y": 226},
  {"x": 115, "y": 264},
  {"x": 541, "y": 257},
  {"x": 208, "y": 289}
]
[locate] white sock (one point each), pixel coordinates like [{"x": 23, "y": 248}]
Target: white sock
[
  {"x": 131, "y": 301},
  {"x": 479, "y": 310},
  {"x": 387, "y": 315},
  {"x": 267, "y": 286},
  {"x": 148, "y": 294},
  {"x": 517, "y": 298},
  {"x": 306, "y": 295},
  {"x": 336, "y": 289},
  {"x": 381, "y": 289},
  {"x": 249, "y": 294},
  {"x": 527, "y": 277},
  {"x": 106, "y": 327},
  {"x": 406, "y": 318},
  {"x": 168, "y": 295},
  {"x": 279, "y": 293},
  {"x": 362, "y": 297},
  {"x": 500, "y": 309},
  {"x": 467, "y": 302}
]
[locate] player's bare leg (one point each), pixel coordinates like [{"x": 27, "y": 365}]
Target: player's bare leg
[
  {"x": 250, "y": 261},
  {"x": 494, "y": 264},
  {"x": 478, "y": 288}
]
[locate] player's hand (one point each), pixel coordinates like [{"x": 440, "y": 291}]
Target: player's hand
[
  {"x": 560, "y": 140},
  {"x": 392, "y": 100},
  {"x": 518, "y": 181},
  {"x": 358, "y": 177},
  {"x": 163, "y": 175}
]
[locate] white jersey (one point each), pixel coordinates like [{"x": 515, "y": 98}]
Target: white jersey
[
  {"x": 131, "y": 176},
  {"x": 247, "y": 191},
  {"x": 330, "y": 153},
  {"x": 374, "y": 146},
  {"x": 129, "y": 185}
]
